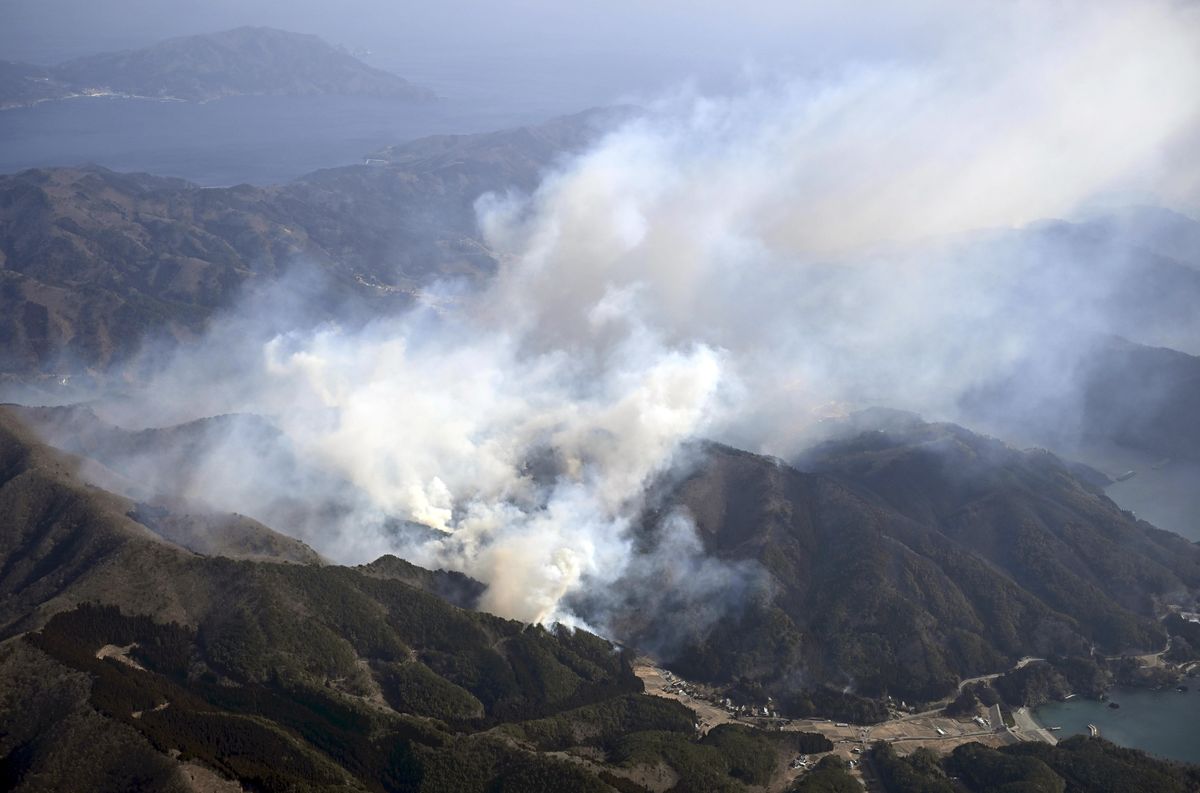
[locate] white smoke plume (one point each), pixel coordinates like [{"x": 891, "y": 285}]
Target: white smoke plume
[
  {"x": 718, "y": 267},
  {"x": 441, "y": 431}
]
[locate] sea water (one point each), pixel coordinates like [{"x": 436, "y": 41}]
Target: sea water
[
  {"x": 258, "y": 140},
  {"x": 1165, "y": 723}
]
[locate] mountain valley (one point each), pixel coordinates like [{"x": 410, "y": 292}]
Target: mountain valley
[{"x": 814, "y": 434}]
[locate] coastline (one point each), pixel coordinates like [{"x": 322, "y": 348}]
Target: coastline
[
  {"x": 1161, "y": 723},
  {"x": 1028, "y": 724}
]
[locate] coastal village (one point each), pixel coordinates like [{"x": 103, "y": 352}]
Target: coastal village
[{"x": 907, "y": 729}]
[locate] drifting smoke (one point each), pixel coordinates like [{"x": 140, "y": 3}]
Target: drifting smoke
[
  {"x": 671, "y": 592},
  {"x": 715, "y": 267}
]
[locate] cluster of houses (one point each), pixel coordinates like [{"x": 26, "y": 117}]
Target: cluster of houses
[
  {"x": 802, "y": 762},
  {"x": 1190, "y": 616},
  {"x": 677, "y": 685},
  {"x": 749, "y": 710}
]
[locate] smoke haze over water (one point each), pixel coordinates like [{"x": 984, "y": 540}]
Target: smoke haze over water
[{"x": 723, "y": 267}]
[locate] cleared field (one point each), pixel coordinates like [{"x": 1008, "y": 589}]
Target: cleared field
[{"x": 907, "y": 733}]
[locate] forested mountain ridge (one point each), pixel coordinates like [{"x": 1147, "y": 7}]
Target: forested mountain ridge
[
  {"x": 129, "y": 661},
  {"x": 93, "y": 263},
  {"x": 902, "y": 561}
]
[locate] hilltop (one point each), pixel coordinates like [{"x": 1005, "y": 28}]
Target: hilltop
[
  {"x": 899, "y": 561},
  {"x": 247, "y": 61}
]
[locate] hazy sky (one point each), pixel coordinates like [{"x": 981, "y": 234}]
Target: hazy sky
[{"x": 612, "y": 47}]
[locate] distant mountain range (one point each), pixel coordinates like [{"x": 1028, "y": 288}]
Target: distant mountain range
[
  {"x": 92, "y": 261},
  {"x": 248, "y": 61}
]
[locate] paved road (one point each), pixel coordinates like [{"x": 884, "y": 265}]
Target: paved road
[
  {"x": 1147, "y": 659},
  {"x": 1028, "y": 729},
  {"x": 940, "y": 705},
  {"x": 927, "y": 739},
  {"x": 1024, "y": 662}
]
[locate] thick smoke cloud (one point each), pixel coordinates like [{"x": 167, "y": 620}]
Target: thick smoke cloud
[
  {"x": 727, "y": 267},
  {"x": 527, "y": 464},
  {"x": 442, "y": 432},
  {"x": 817, "y": 229}
]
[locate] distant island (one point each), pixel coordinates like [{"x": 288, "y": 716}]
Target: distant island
[{"x": 246, "y": 61}]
